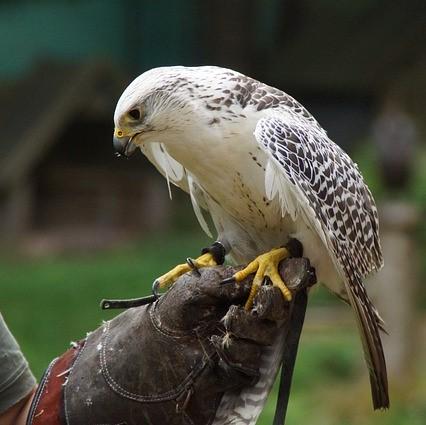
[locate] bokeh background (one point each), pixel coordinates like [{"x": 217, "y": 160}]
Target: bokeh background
[{"x": 78, "y": 225}]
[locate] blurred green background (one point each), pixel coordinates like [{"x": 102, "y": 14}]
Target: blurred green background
[{"x": 78, "y": 225}]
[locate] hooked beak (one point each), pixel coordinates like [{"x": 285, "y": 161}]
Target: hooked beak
[{"x": 123, "y": 145}]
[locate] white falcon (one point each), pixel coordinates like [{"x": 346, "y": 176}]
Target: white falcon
[{"x": 264, "y": 169}]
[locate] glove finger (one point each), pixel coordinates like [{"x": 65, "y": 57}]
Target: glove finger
[
  {"x": 270, "y": 305},
  {"x": 242, "y": 324},
  {"x": 238, "y": 359},
  {"x": 195, "y": 299},
  {"x": 228, "y": 293}
]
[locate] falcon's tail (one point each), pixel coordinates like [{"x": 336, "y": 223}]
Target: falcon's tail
[{"x": 369, "y": 324}]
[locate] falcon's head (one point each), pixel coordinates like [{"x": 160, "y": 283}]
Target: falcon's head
[{"x": 155, "y": 106}]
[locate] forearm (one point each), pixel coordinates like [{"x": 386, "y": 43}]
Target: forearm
[
  {"x": 17, "y": 383},
  {"x": 17, "y": 414}
]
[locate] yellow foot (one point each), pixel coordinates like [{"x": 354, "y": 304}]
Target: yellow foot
[
  {"x": 265, "y": 265},
  {"x": 166, "y": 280}
]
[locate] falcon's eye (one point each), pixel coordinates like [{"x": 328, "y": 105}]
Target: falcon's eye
[{"x": 134, "y": 114}]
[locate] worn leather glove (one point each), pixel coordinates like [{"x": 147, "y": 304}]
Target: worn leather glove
[{"x": 166, "y": 363}]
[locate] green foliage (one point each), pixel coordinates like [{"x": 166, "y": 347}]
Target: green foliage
[{"x": 50, "y": 302}]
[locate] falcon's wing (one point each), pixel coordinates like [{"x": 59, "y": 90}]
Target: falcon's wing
[{"x": 313, "y": 175}]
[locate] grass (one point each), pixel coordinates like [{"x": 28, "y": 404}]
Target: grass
[{"x": 50, "y": 302}]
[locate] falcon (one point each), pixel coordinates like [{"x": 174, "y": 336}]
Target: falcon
[{"x": 259, "y": 164}]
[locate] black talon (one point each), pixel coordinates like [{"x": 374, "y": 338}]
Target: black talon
[
  {"x": 228, "y": 280},
  {"x": 155, "y": 286},
  {"x": 191, "y": 263}
]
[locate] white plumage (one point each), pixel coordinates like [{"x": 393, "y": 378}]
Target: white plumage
[{"x": 265, "y": 171}]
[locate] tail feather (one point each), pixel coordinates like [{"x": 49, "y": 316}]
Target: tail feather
[
  {"x": 380, "y": 322},
  {"x": 369, "y": 323}
]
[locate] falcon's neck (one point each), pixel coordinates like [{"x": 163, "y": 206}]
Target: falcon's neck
[{"x": 212, "y": 150}]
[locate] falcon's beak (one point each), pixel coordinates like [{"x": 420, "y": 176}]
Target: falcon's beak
[{"x": 123, "y": 145}]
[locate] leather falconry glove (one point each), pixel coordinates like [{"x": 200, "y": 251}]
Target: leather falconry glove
[{"x": 171, "y": 361}]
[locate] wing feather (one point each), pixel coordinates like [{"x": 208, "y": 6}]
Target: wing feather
[
  {"x": 334, "y": 200},
  {"x": 175, "y": 173},
  {"x": 198, "y": 201},
  {"x": 169, "y": 167},
  {"x": 275, "y": 185}
]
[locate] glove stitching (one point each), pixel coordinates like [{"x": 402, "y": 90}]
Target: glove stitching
[
  {"x": 117, "y": 388},
  {"x": 163, "y": 330},
  {"x": 67, "y": 419},
  {"x": 39, "y": 392}
]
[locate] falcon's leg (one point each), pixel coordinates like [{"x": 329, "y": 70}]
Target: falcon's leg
[
  {"x": 266, "y": 265},
  {"x": 212, "y": 256}
]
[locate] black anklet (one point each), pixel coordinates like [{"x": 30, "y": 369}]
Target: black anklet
[
  {"x": 217, "y": 250},
  {"x": 295, "y": 248}
]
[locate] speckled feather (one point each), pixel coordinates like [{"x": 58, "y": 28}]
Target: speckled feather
[
  {"x": 341, "y": 207},
  {"x": 231, "y": 133}
]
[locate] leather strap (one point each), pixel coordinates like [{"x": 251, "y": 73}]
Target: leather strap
[{"x": 295, "y": 325}]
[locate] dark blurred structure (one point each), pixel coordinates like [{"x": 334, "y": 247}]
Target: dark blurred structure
[
  {"x": 396, "y": 139},
  {"x": 398, "y": 286},
  {"x": 57, "y": 171},
  {"x": 65, "y": 63},
  {"x": 395, "y": 135}
]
